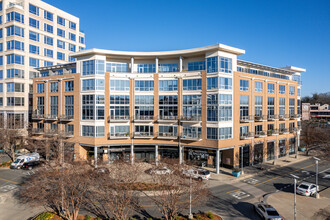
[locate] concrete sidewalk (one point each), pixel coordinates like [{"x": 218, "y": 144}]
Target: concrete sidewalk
[{"x": 307, "y": 207}]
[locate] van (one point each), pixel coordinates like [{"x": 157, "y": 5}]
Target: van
[{"x": 17, "y": 164}]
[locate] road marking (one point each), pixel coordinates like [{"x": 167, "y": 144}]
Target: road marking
[
  {"x": 8, "y": 188},
  {"x": 251, "y": 181},
  {"x": 240, "y": 195},
  {"x": 10, "y": 181},
  {"x": 305, "y": 172},
  {"x": 326, "y": 176},
  {"x": 233, "y": 191}
]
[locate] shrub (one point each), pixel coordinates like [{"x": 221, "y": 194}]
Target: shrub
[
  {"x": 210, "y": 215},
  {"x": 87, "y": 217},
  {"x": 45, "y": 216},
  {"x": 198, "y": 217}
]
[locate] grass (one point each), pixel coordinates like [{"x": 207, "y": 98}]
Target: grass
[{"x": 45, "y": 216}]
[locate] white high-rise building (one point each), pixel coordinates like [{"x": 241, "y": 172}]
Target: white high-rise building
[{"x": 32, "y": 34}]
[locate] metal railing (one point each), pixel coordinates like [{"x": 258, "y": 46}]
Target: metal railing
[
  {"x": 119, "y": 135},
  {"x": 37, "y": 131},
  {"x": 119, "y": 118},
  {"x": 143, "y": 134},
  {"x": 284, "y": 131},
  {"x": 66, "y": 118},
  {"x": 272, "y": 117},
  {"x": 193, "y": 136},
  {"x": 51, "y": 132},
  {"x": 260, "y": 134},
  {"x": 246, "y": 118},
  {"x": 191, "y": 118},
  {"x": 260, "y": 117},
  {"x": 67, "y": 134},
  {"x": 144, "y": 117},
  {"x": 246, "y": 135},
  {"x": 164, "y": 117},
  {"x": 51, "y": 117},
  {"x": 38, "y": 116},
  {"x": 272, "y": 132},
  {"x": 166, "y": 135}
]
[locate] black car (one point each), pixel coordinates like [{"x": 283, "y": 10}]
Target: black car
[{"x": 30, "y": 165}]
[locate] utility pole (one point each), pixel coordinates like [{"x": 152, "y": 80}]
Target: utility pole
[
  {"x": 295, "y": 200},
  {"x": 190, "y": 192},
  {"x": 317, "y": 195}
]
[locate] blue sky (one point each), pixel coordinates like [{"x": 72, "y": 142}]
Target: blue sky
[{"x": 273, "y": 32}]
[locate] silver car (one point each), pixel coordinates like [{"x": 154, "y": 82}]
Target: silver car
[
  {"x": 307, "y": 189},
  {"x": 267, "y": 211},
  {"x": 199, "y": 174},
  {"x": 161, "y": 171}
]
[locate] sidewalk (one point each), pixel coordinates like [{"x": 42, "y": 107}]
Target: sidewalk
[
  {"x": 226, "y": 174},
  {"x": 307, "y": 207}
]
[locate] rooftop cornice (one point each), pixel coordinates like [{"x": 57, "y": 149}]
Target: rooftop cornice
[{"x": 264, "y": 67}]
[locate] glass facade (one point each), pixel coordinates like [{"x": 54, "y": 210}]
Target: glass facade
[
  {"x": 168, "y": 85},
  {"x": 219, "y": 64},
  {"x": 219, "y": 83}
]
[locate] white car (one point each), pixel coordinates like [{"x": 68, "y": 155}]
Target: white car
[
  {"x": 307, "y": 189},
  {"x": 161, "y": 171},
  {"x": 267, "y": 211},
  {"x": 199, "y": 174}
]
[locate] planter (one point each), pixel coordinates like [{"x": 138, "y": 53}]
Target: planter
[
  {"x": 236, "y": 174},
  {"x": 302, "y": 149}
]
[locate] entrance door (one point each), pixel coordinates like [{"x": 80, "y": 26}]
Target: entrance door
[
  {"x": 258, "y": 153},
  {"x": 246, "y": 155},
  {"x": 281, "y": 148},
  {"x": 270, "y": 151}
]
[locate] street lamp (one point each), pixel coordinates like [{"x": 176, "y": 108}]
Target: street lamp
[
  {"x": 317, "y": 177},
  {"x": 295, "y": 201},
  {"x": 190, "y": 192}
]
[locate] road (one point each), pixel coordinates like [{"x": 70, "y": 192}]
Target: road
[{"x": 230, "y": 200}]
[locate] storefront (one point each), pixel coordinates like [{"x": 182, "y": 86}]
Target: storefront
[
  {"x": 169, "y": 152},
  {"x": 271, "y": 150},
  {"x": 245, "y": 155},
  {"x": 281, "y": 148},
  {"x": 292, "y": 143},
  {"x": 258, "y": 153},
  {"x": 199, "y": 157}
]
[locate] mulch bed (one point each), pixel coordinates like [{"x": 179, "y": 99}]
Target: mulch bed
[{"x": 6, "y": 164}]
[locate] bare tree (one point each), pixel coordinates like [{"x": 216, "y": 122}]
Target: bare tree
[
  {"x": 11, "y": 138},
  {"x": 174, "y": 189},
  {"x": 63, "y": 191},
  {"x": 114, "y": 194}
]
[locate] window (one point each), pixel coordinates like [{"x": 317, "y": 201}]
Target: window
[
  {"x": 15, "y": 73},
  {"x": 291, "y": 90},
  {"x": 91, "y": 131},
  {"x": 258, "y": 86},
  {"x": 281, "y": 89},
  {"x": 165, "y": 68},
  {"x": 60, "y": 56},
  {"x": 144, "y": 130},
  {"x": 92, "y": 67},
  {"x": 82, "y": 40},
  {"x": 270, "y": 107},
  {"x": 34, "y": 36},
  {"x": 54, "y": 105},
  {"x": 33, "y": 9},
  {"x": 168, "y": 106},
  {"x": 54, "y": 87},
  {"x": 168, "y": 85},
  {"x": 15, "y": 16},
  {"x": 171, "y": 131},
  {"x": 244, "y": 85},
  {"x": 144, "y": 106},
  {"x": 225, "y": 133},
  {"x": 92, "y": 84},
  {"x": 271, "y": 88},
  {"x": 1, "y": 87},
  {"x": 116, "y": 67},
  {"x": 15, "y": 45},
  {"x": 1, "y": 104},
  {"x": 219, "y": 83},
  {"x": 48, "y": 40},
  {"x": 48, "y": 63},
  {"x": 69, "y": 106},
  {"x": 146, "y": 68},
  {"x": 225, "y": 65},
  {"x": 48, "y": 53},
  {"x": 60, "y": 21},
  {"x": 41, "y": 105},
  {"x": 291, "y": 107},
  {"x": 72, "y": 25},
  {"x": 219, "y": 107},
  {"x": 192, "y": 84},
  {"x": 48, "y": 28},
  {"x": 49, "y": 16},
  {"x": 258, "y": 129},
  {"x": 192, "y": 107},
  {"x": 199, "y": 65},
  {"x": 34, "y": 62},
  {"x": 15, "y": 101},
  {"x": 258, "y": 106},
  {"x": 15, "y": 59},
  {"x": 14, "y": 30},
  {"x": 60, "y": 32},
  {"x": 1, "y": 34},
  {"x": 15, "y": 121},
  {"x": 1, "y": 74},
  {"x": 192, "y": 132},
  {"x": 69, "y": 86},
  {"x": 33, "y": 49},
  {"x": 72, "y": 47},
  {"x": 281, "y": 107},
  {"x": 212, "y": 133},
  {"x": 244, "y": 107},
  {"x": 40, "y": 88},
  {"x": 144, "y": 85},
  {"x": 93, "y": 107},
  {"x": 1, "y": 60},
  {"x": 119, "y": 106},
  {"x": 34, "y": 23},
  {"x": 60, "y": 44},
  {"x": 1, "y": 47},
  {"x": 244, "y": 131},
  {"x": 72, "y": 36},
  {"x": 81, "y": 48},
  {"x": 119, "y": 85},
  {"x": 213, "y": 64}
]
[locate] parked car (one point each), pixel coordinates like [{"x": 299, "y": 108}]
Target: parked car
[
  {"x": 307, "y": 189},
  {"x": 30, "y": 165},
  {"x": 161, "y": 171},
  {"x": 267, "y": 211},
  {"x": 199, "y": 174},
  {"x": 24, "y": 159}
]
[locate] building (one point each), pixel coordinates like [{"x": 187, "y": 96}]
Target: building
[
  {"x": 202, "y": 105},
  {"x": 32, "y": 34},
  {"x": 316, "y": 112}
]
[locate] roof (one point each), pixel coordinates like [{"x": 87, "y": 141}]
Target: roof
[
  {"x": 264, "y": 67},
  {"x": 58, "y": 66}
]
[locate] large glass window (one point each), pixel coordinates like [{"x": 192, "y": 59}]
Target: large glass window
[
  {"x": 119, "y": 85},
  {"x": 225, "y": 133},
  {"x": 34, "y": 36},
  {"x": 281, "y": 107},
  {"x": 40, "y": 88},
  {"x": 144, "y": 85},
  {"x": 14, "y": 30},
  {"x": 91, "y": 67},
  {"x": 191, "y": 132},
  {"x": 93, "y": 107},
  {"x": 116, "y": 67},
  {"x": 33, "y": 9},
  {"x": 48, "y": 28},
  {"x": 15, "y": 101},
  {"x": 15, "y": 87},
  {"x": 165, "y": 68},
  {"x": 15, "y": 73},
  {"x": 291, "y": 90},
  {"x": 15, "y": 121},
  {"x": 15, "y": 16},
  {"x": 219, "y": 107},
  {"x": 146, "y": 68},
  {"x": 34, "y": 23},
  {"x": 60, "y": 32},
  {"x": 244, "y": 85},
  {"x": 199, "y": 65},
  {"x": 15, "y": 45},
  {"x": 54, "y": 106},
  {"x": 192, "y": 84},
  {"x": 171, "y": 131},
  {"x": 60, "y": 21},
  {"x": 168, "y": 85},
  {"x": 219, "y": 83},
  {"x": 270, "y": 107},
  {"x": 69, "y": 106},
  {"x": 15, "y": 59},
  {"x": 72, "y": 47},
  {"x": 291, "y": 107},
  {"x": 48, "y": 53},
  {"x": 60, "y": 56},
  {"x": 258, "y": 105},
  {"x": 258, "y": 86},
  {"x": 49, "y": 16},
  {"x": 192, "y": 107},
  {"x": 72, "y": 36},
  {"x": 60, "y": 44},
  {"x": 72, "y": 25},
  {"x": 168, "y": 106},
  {"x": 281, "y": 89},
  {"x": 41, "y": 105},
  {"x": 34, "y": 49},
  {"x": 119, "y": 106},
  {"x": 212, "y": 133},
  {"x": 144, "y": 130},
  {"x": 92, "y": 131},
  {"x": 119, "y": 131},
  {"x": 48, "y": 40},
  {"x": 213, "y": 64},
  {"x": 144, "y": 106},
  {"x": 54, "y": 87},
  {"x": 92, "y": 84},
  {"x": 34, "y": 62},
  {"x": 69, "y": 86},
  {"x": 244, "y": 107},
  {"x": 271, "y": 88}
]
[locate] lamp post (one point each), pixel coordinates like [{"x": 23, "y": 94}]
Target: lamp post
[
  {"x": 190, "y": 192},
  {"x": 317, "y": 177},
  {"x": 295, "y": 201}
]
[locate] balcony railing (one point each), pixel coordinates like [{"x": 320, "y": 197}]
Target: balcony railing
[
  {"x": 246, "y": 118},
  {"x": 191, "y": 137},
  {"x": 37, "y": 131},
  {"x": 167, "y": 118},
  {"x": 291, "y": 130},
  {"x": 281, "y": 117},
  {"x": 247, "y": 135},
  {"x": 272, "y": 117},
  {"x": 113, "y": 118},
  {"x": 51, "y": 132},
  {"x": 191, "y": 118},
  {"x": 259, "y": 134},
  {"x": 51, "y": 117},
  {"x": 66, "y": 118},
  {"x": 287, "y": 116},
  {"x": 272, "y": 132},
  {"x": 167, "y": 135},
  {"x": 37, "y": 117},
  {"x": 284, "y": 131},
  {"x": 297, "y": 116},
  {"x": 143, "y": 117},
  {"x": 260, "y": 117},
  {"x": 292, "y": 116},
  {"x": 143, "y": 134},
  {"x": 119, "y": 135},
  {"x": 67, "y": 134}
]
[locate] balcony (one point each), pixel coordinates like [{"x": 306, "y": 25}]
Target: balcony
[
  {"x": 192, "y": 119},
  {"x": 51, "y": 117},
  {"x": 284, "y": 131},
  {"x": 119, "y": 135},
  {"x": 272, "y": 132},
  {"x": 272, "y": 117},
  {"x": 143, "y": 135},
  {"x": 191, "y": 137},
  {"x": 281, "y": 117},
  {"x": 38, "y": 117},
  {"x": 260, "y": 134},
  {"x": 291, "y": 130},
  {"x": 67, "y": 134},
  {"x": 247, "y": 135},
  {"x": 143, "y": 118},
  {"x": 286, "y": 116},
  {"x": 51, "y": 133},
  {"x": 292, "y": 116},
  {"x": 119, "y": 118},
  {"x": 66, "y": 118},
  {"x": 37, "y": 131},
  {"x": 166, "y": 135},
  {"x": 246, "y": 118},
  {"x": 296, "y": 116},
  {"x": 260, "y": 118},
  {"x": 167, "y": 118}
]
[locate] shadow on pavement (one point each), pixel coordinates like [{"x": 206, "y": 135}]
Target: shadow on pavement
[
  {"x": 247, "y": 210},
  {"x": 284, "y": 187}
]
